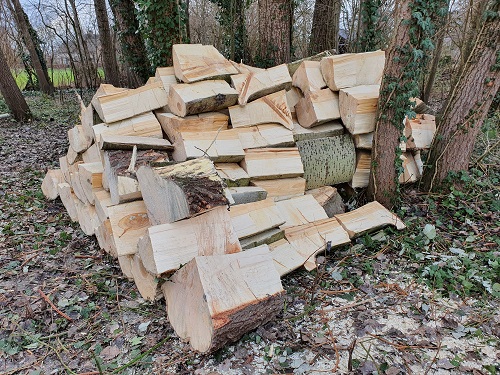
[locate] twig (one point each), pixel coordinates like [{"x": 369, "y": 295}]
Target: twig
[
  {"x": 433, "y": 359},
  {"x": 401, "y": 347},
  {"x": 488, "y": 150},
  {"x": 351, "y": 350},
  {"x": 141, "y": 356},
  {"x": 349, "y": 305},
  {"x": 44, "y": 296}
]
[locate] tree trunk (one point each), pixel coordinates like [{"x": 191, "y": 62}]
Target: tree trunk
[
  {"x": 325, "y": 26},
  {"x": 275, "y": 31},
  {"x": 467, "y": 105},
  {"x": 31, "y": 41},
  {"x": 110, "y": 65},
  {"x": 11, "y": 93},
  {"x": 132, "y": 45},
  {"x": 434, "y": 67},
  {"x": 368, "y": 35}
]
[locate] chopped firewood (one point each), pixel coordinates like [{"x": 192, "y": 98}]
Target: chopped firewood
[
  {"x": 125, "y": 262},
  {"x": 149, "y": 286},
  {"x": 92, "y": 154},
  {"x": 292, "y": 98},
  {"x": 410, "y": 169},
  {"x": 247, "y": 194},
  {"x": 90, "y": 175},
  {"x": 282, "y": 188},
  {"x": 77, "y": 187},
  {"x": 87, "y": 217},
  {"x": 265, "y": 135},
  {"x": 206, "y": 96},
  {"x": 64, "y": 167},
  {"x": 370, "y": 217},
  {"x": 329, "y": 129},
  {"x": 270, "y": 109},
  {"x": 243, "y": 68},
  {"x": 420, "y": 132},
  {"x": 77, "y": 139},
  {"x": 300, "y": 210},
  {"x": 102, "y": 200},
  {"x": 124, "y": 104},
  {"x": 363, "y": 141},
  {"x": 69, "y": 200},
  {"x": 419, "y": 163},
  {"x": 358, "y": 108},
  {"x": 127, "y": 142},
  {"x": 327, "y": 161},
  {"x": 264, "y": 238},
  {"x": 72, "y": 156},
  {"x": 87, "y": 119},
  {"x": 318, "y": 107},
  {"x": 166, "y": 247},
  {"x": 252, "y": 218},
  {"x": 328, "y": 198},
  {"x": 254, "y": 85},
  {"x": 196, "y": 62},
  {"x": 167, "y": 77},
  {"x": 271, "y": 163},
  {"x": 209, "y": 311},
  {"x": 286, "y": 259},
  {"x": 144, "y": 125},
  {"x": 294, "y": 65},
  {"x": 175, "y": 192},
  {"x": 308, "y": 77},
  {"x": 49, "y": 184},
  {"x": 232, "y": 174},
  {"x": 353, "y": 69},
  {"x": 361, "y": 176},
  {"x": 104, "y": 235}
]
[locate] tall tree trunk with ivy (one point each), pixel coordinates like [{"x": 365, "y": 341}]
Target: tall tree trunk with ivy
[
  {"x": 325, "y": 26},
  {"x": 468, "y": 104},
  {"x": 369, "y": 35},
  {"x": 275, "y": 32}
]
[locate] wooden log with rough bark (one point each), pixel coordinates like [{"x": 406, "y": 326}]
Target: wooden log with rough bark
[
  {"x": 247, "y": 194},
  {"x": 143, "y": 125},
  {"x": 420, "y": 132},
  {"x": 270, "y": 109},
  {"x": 272, "y": 163},
  {"x": 329, "y": 129},
  {"x": 361, "y": 176},
  {"x": 127, "y": 142},
  {"x": 166, "y": 247},
  {"x": 53, "y": 178},
  {"x": 300, "y": 210},
  {"x": 265, "y": 135},
  {"x": 328, "y": 198},
  {"x": 149, "y": 286},
  {"x": 178, "y": 191},
  {"x": 232, "y": 174},
  {"x": 353, "y": 69},
  {"x": 196, "y": 62},
  {"x": 308, "y": 77},
  {"x": 254, "y": 85},
  {"x": 90, "y": 175},
  {"x": 327, "y": 161},
  {"x": 77, "y": 139},
  {"x": 318, "y": 107},
  {"x": 282, "y": 188},
  {"x": 206, "y": 96},
  {"x": 358, "y": 108},
  {"x": 214, "y": 300}
]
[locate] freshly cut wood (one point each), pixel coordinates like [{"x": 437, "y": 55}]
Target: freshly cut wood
[
  {"x": 196, "y": 62},
  {"x": 87, "y": 119},
  {"x": 49, "y": 184},
  {"x": 214, "y": 300},
  {"x": 282, "y": 188},
  {"x": 64, "y": 167},
  {"x": 128, "y": 103},
  {"x": 318, "y": 107},
  {"x": 410, "y": 169},
  {"x": 207, "y": 96},
  {"x": 87, "y": 217},
  {"x": 328, "y": 198},
  {"x": 264, "y": 238},
  {"x": 370, "y": 217},
  {"x": 77, "y": 139},
  {"x": 363, "y": 141},
  {"x": 166, "y": 247},
  {"x": 72, "y": 156},
  {"x": 92, "y": 154},
  {"x": 292, "y": 98},
  {"x": 252, "y": 218},
  {"x": 243, "y": 68},
  {"x": 294, "y": 65},
  {"x": 286, "y": 259},
  {"x": 149, "y": 286},
  {"x": 418, "y": 162},
  {"x": 129, "y": 221},
  {"x": 358, "y": 108},
  {"x": 308, "y": 77},
  {"x": 104, "y": 235},
  {"x": 127, "y": 142},
  {"x": 327, "y": 161},
  {"x": 181, "y": 190},
  {"x": 77, "y": 187},
  {"x": 247, "y": 194},
  {"x": 271, "y": 163},
  {"x": 270, "y": 109},
  {"x": 232, "y": 174},
  {"x": 265, "y": 135},
  {"x": 254, "y": 85},
  {"x": 361, "y": 176},
  {"x": 167, "y": 77},
  {"x": 420, "y": 132},
  {"x": 68, "y": 199},
  {"x": 90, "y": 175},
  {"x": 144, "y": 125},
  {"x": 353, "y": 69},
  {"x": 300, "y": 210},
  {"x": 125, "y": 263},
  {"x": 329, "y": 129},
  {"x": 102, "y": 200}
]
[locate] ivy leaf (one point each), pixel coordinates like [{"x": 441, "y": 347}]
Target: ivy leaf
[{"x": 429, "y": 231}]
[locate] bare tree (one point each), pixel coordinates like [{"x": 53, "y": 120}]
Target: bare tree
[
  {"x": 110, "y": 64},
  {"x": 325, "y": 26}
]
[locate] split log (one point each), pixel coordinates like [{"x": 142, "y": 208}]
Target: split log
[
  {"x": 87, "y": 119},
  {"x": 196, "y": 62},
  {"x": 265, "y": 135},
  {"x": 69, "y": 200},
  {"x": 166, "y": 247},
  {"x": 286, "y": 259},
  {"x": 49, "y": 184},
  {"x": 363, "y": 141},
  {"x": 247, "y": 194},
  {"x": 72, "y": 156},
  {"x": 125, "y": 263},
  {"x": 243, "y": 68},
  {"x": 129, "y": 221},
  {"x": 353, "y": 69},
  {"x": 124, "y": 104},
  {"x": 294, "y": 65},
  {"x": 270, "y": 109},
  {"x": 329, "y": 129},
  {"x": 271, "y": 163},
  {"x": 420, "y": 132},
  {"x": 87, "y": 217},
  {"x": 252, "y": 218},
  {"x": 328, "y": 198},
  {"x": 148, "y": 285},
  {"x": 318, "y": 107},
  {"x": 300, "y": 210},
  {"x": 282, "y": 188},
  {"x": 206, "y": 96},
  {"x": 358, "y": 108},
  {"x": 418, "y": 162},
  {"x": 410, "y": 169},
  {"x": 232, "y": 174},
  {"x": 308, "y": 77},
  {"x": 104, "y": 235},
  {"x": 127, "y": 142},
  {"x": 264, "y": 238},
  {"x": 292, "y": 98},
  {"x": 77, "y": 187},
  {"x": 167, "y": 77},
  {"x": 178, "y": 191},
  {"x": 254, "y": 85},
  {"x": 64, "y": 167},
  {"x": 361, "y": 176},
  {"x": 144, "y": 125},
  {"x": 327, "y": 161},
  {"x": 90, "y": 175},
  {"x": 92, "y": 154},
  {"x": 209, "y": 311},
  {"x": 102, "y": 200},
  {"x": 77, "y": 139},
  {"x": 370, "y": 217}
]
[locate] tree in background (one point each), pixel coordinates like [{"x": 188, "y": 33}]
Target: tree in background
[
  {"x": 325, "y": 26},
  {"x": 468, "y": 104},
  {"x": 110, "y": 65},
  {"x": 370, "y": 38}
]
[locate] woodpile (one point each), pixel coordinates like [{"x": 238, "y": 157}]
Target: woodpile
[{"x": 207, "y": 193}]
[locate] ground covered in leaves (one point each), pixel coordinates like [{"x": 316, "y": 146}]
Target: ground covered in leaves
[{"x": 422, "y": 301}]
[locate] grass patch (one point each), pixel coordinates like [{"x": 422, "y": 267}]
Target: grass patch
[{"x": 60, "y": 77}]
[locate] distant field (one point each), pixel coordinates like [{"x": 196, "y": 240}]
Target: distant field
[{"x": 60, "y": 77}]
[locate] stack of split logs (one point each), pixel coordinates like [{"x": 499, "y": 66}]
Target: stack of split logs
[{"x": 208, "y": 192}]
